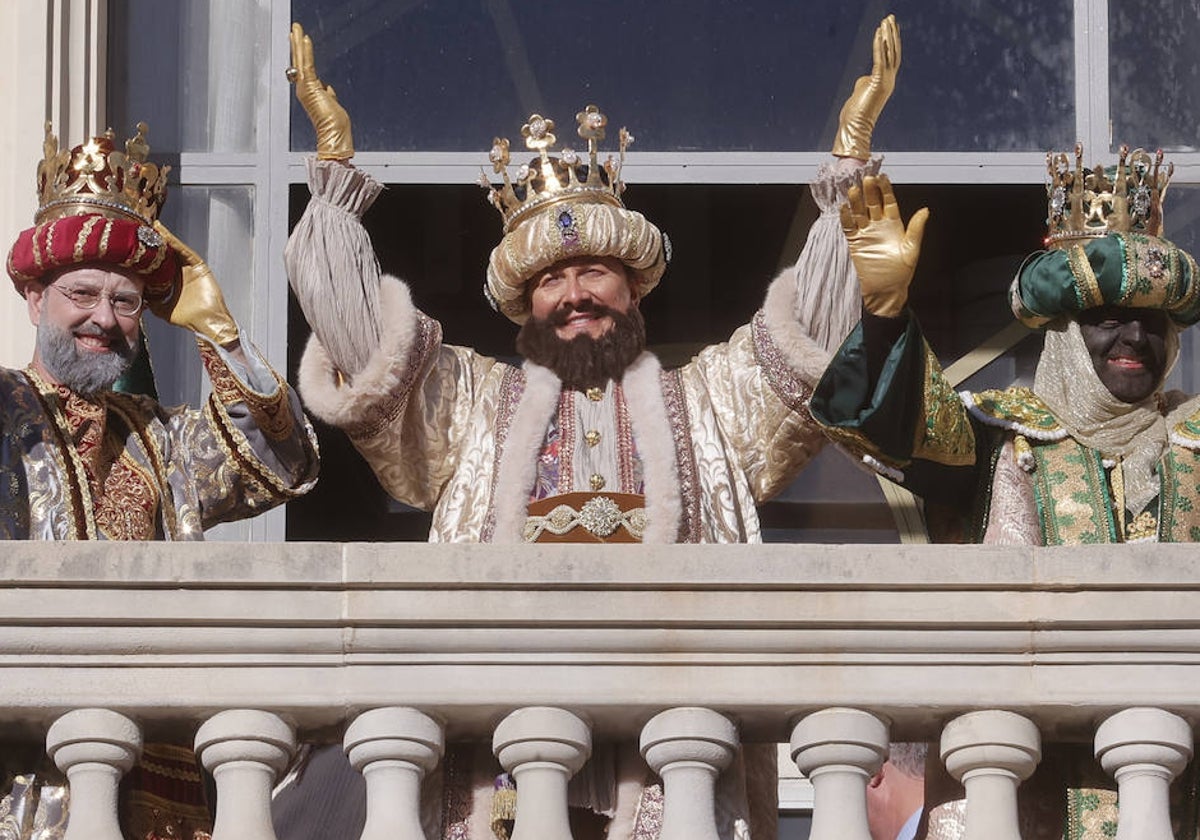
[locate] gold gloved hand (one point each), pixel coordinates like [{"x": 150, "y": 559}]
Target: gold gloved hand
[
  {"x": 328, "y": 117},
  {"x": 856, "y": 122},
  {"x": 884, "y": 252},
  {"x": 198, "y": 305}
]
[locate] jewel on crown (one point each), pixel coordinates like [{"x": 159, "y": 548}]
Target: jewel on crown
[
  {"x": 548, "y": 180},
  {"x": 1085, "y": 204},
  {"x": 96, "y": 177}
]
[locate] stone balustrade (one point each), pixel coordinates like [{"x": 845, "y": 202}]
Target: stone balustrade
[{"x": 687, "y": 651}]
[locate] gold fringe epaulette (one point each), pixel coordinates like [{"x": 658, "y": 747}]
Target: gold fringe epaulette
[
  {"x": 1016, "y": 409},
  {"x": 1186, "y": 433}
]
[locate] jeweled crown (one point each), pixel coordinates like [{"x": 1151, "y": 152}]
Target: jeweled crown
[
  {"x": 1085, "y": 204},
  {"x": 96, "y": 177},
  {"x": 550, "y": 180}
]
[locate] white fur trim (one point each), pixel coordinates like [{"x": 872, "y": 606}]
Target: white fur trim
[
  {"x": 656, "y": 446},
  {"x": 347, "y": 404},
  {"x": 518, "y": 462},
  {"x": 807, "y": 359}
]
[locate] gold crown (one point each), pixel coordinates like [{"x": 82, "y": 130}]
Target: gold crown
[
  {"x": 550, "y": 180},
  {"x": 96, "y": 178},
  {"x": 1087, "y": 204}
]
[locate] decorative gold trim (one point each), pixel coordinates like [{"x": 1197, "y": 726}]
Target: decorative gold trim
[{"x": 1089, "y": 292}]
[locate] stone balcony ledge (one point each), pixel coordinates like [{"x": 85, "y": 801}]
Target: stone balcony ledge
[{"x": 765, "y": 634}]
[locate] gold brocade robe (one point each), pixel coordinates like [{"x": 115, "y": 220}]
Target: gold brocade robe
[
  {"x": 122, "y": 466},
  {"x": 448, "y": 430}
]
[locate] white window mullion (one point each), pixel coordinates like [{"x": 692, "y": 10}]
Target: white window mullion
[{"x": 1092, "y": 123}]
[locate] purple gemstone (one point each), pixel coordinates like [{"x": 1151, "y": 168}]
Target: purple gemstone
[{"x": 565, "y": 220}]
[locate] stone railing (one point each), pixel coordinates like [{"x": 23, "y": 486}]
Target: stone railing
[{"x": 687, "y": 650}]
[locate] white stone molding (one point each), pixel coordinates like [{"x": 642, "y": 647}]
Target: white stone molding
[
  {"x": 839, "y": 750},
  {"x": 95, "y": 748},
  {"x": 53, "y": 66},
  {"x": 245, "y": 750},
  {"x": 991, "y": 752},
  {"x": 1144, "y": 749},
  {"x": 689, "y": 747},
  {"x": 543, "y": 748},
  {"x": 394, "y": 748}
]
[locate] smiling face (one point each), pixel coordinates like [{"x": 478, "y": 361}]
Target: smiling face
[
  {"x": 1128, "y": 349},
  {"x": 574, "y": 295},
  {"x": 85, "y": 349}
]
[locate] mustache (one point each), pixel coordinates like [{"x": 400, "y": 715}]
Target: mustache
[
  {"x": 118, "y": 343},
  {"x": 559, "y": 317}
]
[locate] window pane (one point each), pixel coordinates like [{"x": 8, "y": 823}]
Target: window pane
[
  {"x": 218, "y": 223},
  {"x": 448, "y": 74},
  {"x": 1154, "y": 78},
  {"x": 195, "y": 80}
]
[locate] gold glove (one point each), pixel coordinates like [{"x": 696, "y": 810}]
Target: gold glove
[
  {"x": 862, "y": 109},
  {"x": 884, "y": 253},
  {"x": 328, "y": 117},
  {"x": 199, "y": 305}
]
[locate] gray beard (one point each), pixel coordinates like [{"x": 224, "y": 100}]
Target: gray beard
[{"x": 84, "y": 372}]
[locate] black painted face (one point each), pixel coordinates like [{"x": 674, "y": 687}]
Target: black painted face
[{"x": 1128, "y": 349}]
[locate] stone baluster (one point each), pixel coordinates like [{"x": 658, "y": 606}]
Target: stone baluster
[
  {"x": 991, "y": 753},
  {"x": 688, "y": 748},
  {"x": 543, "y": 748},
  {"x": 1144, "y": 749},
  {"x": 394, "y": 748},
  {"x": 245, "y": 750},
  {"x": 839, "y": 750},
  {"x": 95, "y": 748}
]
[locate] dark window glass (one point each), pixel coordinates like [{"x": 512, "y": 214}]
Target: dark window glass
[
  {"x": 1154, "y": 78},
  {"x": 446, "y": 75}
]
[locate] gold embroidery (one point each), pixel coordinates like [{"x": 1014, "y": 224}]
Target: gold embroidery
[
  {"x": 1072, "y": 495},
  {"x": 1179, "y": 506},
  {"x": 133, "y": 258},
  {"x": 82, "y": 238},
  {"x": 1019, "y": 409},
  {"x": 946, "y": 436},
  {"x": 1085, "y": 279},
  {"x": 124, "y": 498},
  {"x": 272, "y": 413},
  {"x": 153, "y": 453},
  {"x": 1144, "y": 527},
  {"x": 108, "y": 226},
  {"x": 66, "y": 458}
]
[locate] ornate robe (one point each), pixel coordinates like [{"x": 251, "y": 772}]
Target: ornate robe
[
  {"x": 122, "y": 466},
  {"x": 476, "y": 440},
  {"x": 1001, "y": 458}
]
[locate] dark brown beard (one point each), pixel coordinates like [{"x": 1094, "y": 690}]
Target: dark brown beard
[{"x": 584, "y": 362}]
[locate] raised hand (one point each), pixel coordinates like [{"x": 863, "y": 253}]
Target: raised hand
[
  {"x": 328, "y": 117},
  {"x": 884, "y": 252},
  {"x": 856, "y": 122},
  {"x": 199, "y": 305}
]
